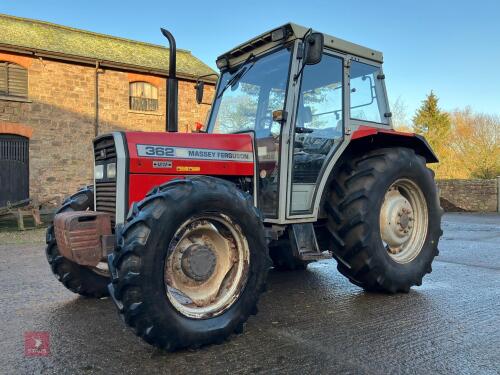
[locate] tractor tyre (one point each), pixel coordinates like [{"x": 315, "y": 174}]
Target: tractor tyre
[
  {"x": 190, "y": 264},
  {"x": 86, "y": 281},
  {"x": 384, "y": 219}
]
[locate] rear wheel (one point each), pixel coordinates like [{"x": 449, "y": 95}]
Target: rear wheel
[
  {"x": 86, "y": 281},
  {"x": 384, "y": 219},
  {"x": 190, "y": 264}
]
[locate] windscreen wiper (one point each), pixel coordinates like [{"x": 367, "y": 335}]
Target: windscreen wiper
[{"x": 238, "y": 75}]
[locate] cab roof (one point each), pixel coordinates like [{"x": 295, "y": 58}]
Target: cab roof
[{"x": 293, "y": 31}]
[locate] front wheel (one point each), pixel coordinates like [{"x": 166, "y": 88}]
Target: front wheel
[
  {"x": 190, "y": 264},
  {"x": 384, "y": 219},
  {"x": 83, "y": 280}
]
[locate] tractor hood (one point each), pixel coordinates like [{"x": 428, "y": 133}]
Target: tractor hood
[
  {"x": 191, "y": 153},
  {"x": 156, "y": 158},
  {"x": 127, "y": 165}
]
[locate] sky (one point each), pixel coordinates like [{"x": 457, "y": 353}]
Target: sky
[{"x": 441, "y": 45}]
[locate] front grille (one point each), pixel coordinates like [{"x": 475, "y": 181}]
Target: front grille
[
  {"x": 104, "y": 150},
  {"x": 105, "y": 193},
  {"x": 105, "y": 189}
]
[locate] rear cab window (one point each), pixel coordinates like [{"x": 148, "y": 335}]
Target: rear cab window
[{"x": 367, "y": 94}]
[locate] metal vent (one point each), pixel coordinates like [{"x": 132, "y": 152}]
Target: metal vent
[
  {"x": 104, "y": 150},
  {"x": 105, "y": 189},
  {"x": 105, "y": 193},
  {"x": 252, "y": 45}
]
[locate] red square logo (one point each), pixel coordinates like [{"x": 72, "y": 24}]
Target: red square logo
[{"x": 36, "y": 344}]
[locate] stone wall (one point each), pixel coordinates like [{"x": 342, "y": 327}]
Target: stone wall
[
  {"x": 469, "y": 195},
  {"x": 60, "y": 112}
]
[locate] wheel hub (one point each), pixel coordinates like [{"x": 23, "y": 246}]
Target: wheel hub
[
  {"x": 396, "y": 217},
  {"x": 198, "y": 262},
  {"x": 404, "y": 219},
  {"x": 207, "y": 266},
  {"x": 402, "y": 209}
]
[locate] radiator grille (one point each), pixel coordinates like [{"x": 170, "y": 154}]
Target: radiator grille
[
  {"x": 104, "y": 150},
  {"x": 105, "y": 193},
  {"x": 105, "y": 189}
]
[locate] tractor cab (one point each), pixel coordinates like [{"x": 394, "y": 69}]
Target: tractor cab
[{"x": 301, "y": 94}]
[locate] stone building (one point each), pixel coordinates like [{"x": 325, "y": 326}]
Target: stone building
[{"x": 60, "y": 86}]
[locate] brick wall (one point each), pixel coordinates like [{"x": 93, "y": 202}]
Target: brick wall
[
  {"x": 60, "y": 112},
  {"x": 469, "y": 195}
]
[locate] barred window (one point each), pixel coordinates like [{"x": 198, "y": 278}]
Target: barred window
[
  {"x": 13, "y": 80},
  {"x": 143, "y": 97}
]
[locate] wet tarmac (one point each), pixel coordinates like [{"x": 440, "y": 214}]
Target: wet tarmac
[{"x": 309, "y": 322}]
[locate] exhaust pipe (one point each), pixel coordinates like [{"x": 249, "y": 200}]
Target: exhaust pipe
[{"x": 172, "y": 85}]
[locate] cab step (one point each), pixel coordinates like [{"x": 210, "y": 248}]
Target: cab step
[{"x": 304, "y": 243}]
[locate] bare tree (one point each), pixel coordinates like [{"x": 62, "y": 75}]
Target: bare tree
[{"x": 400, "y": 119}]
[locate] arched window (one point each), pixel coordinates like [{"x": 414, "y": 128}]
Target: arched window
[
  {"x": 143, "y": 97},
  {"x": 13, "y": 80}
]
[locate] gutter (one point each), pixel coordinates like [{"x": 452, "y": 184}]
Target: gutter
[{"x": 102, "y": 63}]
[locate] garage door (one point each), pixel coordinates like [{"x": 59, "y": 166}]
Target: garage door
[{"x": 14, "y": 168}]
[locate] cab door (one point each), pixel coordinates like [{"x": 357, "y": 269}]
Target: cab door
[{"x": 318, "y": 130}]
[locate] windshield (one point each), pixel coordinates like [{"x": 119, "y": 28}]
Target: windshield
[
  {"x": 255, "y": 90},
  {"x": 245, "y": 100}
]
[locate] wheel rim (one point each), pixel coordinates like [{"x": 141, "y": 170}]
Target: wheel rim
[
  {"x": 404, "y": 220},
  {"x": 207, "y": 266}
]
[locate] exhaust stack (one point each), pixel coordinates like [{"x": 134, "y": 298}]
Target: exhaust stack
[{"x": 172, "y": 85}]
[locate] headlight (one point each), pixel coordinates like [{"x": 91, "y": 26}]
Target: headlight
[
  {"x": 111, "y": 170},
  {"x": 99, "y": 172}
]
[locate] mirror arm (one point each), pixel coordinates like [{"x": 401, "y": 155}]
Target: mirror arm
[
  {"x": 199, "y": 83},
  {"x": 296, "y": 76},
  {"x": 198, "y": 80},
  {"x": 303, "y": 57},
  {"x": 206, "y": 75}
]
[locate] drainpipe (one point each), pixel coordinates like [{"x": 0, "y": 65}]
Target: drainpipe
[{"x": 96, "y": 100}]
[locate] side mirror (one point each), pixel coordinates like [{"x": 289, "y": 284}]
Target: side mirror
[
  {"x": 313, "y": 48},
  {"x": 200, "y": 85}
]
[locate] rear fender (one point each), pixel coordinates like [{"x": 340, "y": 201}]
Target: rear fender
[{"x": 366, "y": 138}]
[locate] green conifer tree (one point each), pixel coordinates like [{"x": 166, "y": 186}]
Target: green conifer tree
[{"x": 431, "y": 122}]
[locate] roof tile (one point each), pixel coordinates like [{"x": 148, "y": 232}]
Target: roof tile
[{"x": 49, "y": 37}]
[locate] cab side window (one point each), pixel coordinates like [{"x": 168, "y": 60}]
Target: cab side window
[{"x": 367, "y": 95}]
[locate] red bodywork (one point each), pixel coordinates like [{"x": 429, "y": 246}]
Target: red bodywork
[
  {"x": 365, "y": 131},
  {"x": 146, "y": 172}
]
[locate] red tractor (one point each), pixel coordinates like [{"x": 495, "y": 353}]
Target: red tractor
[{"x": 299, "y": 162}]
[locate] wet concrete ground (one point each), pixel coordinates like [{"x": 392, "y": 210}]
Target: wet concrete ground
[{"x": 309, "y": 322}]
